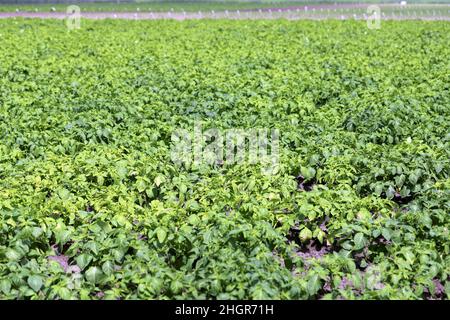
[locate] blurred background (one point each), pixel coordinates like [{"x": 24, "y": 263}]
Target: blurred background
[{"x": 340, "y": 9}]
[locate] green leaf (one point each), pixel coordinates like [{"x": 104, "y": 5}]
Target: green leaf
[
  {"x": 390, "y": 193},
  {"x": 305, "y": 234},
  {"x": 351, "y": 266},
  {"x": 93, "y": 246},
  {"x": 194, "y": 220},
  {"x": 35, "y": 282},
  {"x": 308, "y": 172},
  {"x": 313, "y": 285},
  {"x": 378, "y": 189},
  {"x": 108, "y": 267},
  {"x": 62, "y": 236},
  {"x": 312, "y": 215},
  {"x": 159, "y": 180},
  {"x": 359, "y": 240},
  {"x": 386, "y": 233},
  {"x": 413, "y": 178},
  {"x": 83, "y": 260},
  {"x": 5, "y": 286},
  {"x": 182, "y": 188},
  {"x": 122, "y": 171},
  {"x": 161, "y": 234},
  {"x": 400, "y": 180},
  {"x": 141, "y": 185},
  {"x": 12, "y": 255},
  {"x": 37, "y": 232},
  {"x": 64, "y": 293},
  {"x": 404, "y": 192},
  {"x": 93, "y": 275}
]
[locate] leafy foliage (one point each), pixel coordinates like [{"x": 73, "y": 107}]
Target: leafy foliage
[{"x": 92, "y": 207}]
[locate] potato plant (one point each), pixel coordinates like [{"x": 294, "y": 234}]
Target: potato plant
[{"x": 93, "y": 207}]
